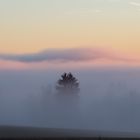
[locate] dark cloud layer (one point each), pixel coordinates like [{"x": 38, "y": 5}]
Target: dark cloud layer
[{"x": 64, "y": 55}]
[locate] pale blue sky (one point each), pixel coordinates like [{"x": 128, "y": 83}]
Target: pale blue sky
[
  {"x": 33, "y": 10},
  {"x": 42, "y": 24}
]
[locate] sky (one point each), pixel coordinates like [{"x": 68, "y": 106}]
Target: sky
[
  {"x": 43, "y": 33},
  {"x": 41, "y": 39}
]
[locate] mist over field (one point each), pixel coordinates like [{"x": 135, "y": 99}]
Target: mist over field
[{"x": 108, "y": 100}]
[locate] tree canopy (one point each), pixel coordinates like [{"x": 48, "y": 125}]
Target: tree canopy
[{"x": 68, "y": 83}]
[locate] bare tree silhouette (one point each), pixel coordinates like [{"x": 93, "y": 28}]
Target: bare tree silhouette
[{"x": 68, "y": 83}]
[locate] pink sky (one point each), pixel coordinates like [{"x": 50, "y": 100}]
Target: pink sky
[{"x": 30, "y": 27}]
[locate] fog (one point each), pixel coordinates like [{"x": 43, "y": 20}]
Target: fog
[{"x": 108, "y": 100}]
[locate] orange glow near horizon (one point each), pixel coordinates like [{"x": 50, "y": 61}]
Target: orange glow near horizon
[{"x": 62, "y": 24}]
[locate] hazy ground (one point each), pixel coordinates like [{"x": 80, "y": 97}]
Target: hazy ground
[{"x": 109, "y": 100}]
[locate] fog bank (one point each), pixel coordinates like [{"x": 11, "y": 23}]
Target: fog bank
[{"x": 108, "y": 100}]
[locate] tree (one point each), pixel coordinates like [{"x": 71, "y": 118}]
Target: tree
[{"x": 67, "y": 84}]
